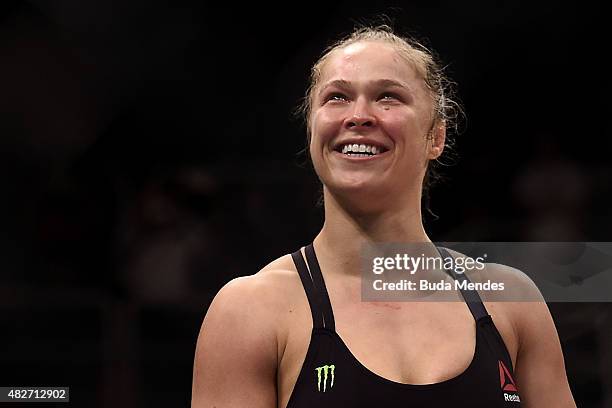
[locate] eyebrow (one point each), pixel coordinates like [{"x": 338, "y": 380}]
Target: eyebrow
[{"x": 343, "y": 83}]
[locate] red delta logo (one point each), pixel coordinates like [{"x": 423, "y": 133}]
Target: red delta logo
[
  {"x": 505, "y": 379},
  {"x": 506, "y": 382}
]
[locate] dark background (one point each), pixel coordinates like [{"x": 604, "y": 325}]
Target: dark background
[{"x": 149, "y": 154}]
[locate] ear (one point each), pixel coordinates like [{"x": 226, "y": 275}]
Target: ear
[{"x": 437, "y": 140}]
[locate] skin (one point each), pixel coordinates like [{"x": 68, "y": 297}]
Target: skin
[{"x": 257, "y": 329}]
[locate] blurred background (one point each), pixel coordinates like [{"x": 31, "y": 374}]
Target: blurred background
[{"x": 149, "y": 155}]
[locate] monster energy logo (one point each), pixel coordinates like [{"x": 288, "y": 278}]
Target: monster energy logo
[{"x": 326, "y": 369}]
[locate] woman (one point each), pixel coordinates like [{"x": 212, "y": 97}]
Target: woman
[{"x": 297, "y": 334}]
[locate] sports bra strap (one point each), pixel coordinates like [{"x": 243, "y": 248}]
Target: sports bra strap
[
  {"x": 315, "y": 271},
  {"x": 314, "y": 286},
  {"x": 472, "y": 298},
  {"x": 307, "y": 283}
]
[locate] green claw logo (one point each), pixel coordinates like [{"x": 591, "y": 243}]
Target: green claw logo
[{"x": 326, "y": 369}]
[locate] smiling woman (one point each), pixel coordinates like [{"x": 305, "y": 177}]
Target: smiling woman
[
  {"x": 297, "y": 334},
  {"x": 410, "y": 81},
  {"x": 365, "y": 92}
]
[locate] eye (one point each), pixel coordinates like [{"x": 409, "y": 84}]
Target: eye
[
  {"x": 336, "y": 97},
  {"x": 389, "y": 97}
]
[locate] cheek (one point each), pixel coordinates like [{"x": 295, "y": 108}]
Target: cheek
[
  {"x": 408, "y": 132},
  {"x": 404, "y": 128},
  {"x": 324, "y": 127}
]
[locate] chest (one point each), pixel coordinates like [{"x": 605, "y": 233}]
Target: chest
[
  {"x": 409, "y": 342},
  {"x": 405, "y": 343}
]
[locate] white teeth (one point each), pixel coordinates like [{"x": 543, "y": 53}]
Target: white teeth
[{"x": 357, "y": 149}]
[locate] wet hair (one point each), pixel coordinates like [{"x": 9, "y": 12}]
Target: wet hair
[{"x": 446, "y": 109}]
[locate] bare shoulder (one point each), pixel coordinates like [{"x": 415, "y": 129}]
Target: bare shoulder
[
  {"x": 517, "y": 285},
  {"x": 280, "y": 279},
  {"x": 240, "y": 337},
  {"x": 251, "y": 306},
  {"x": 264, "y": 292},
  {"x": 521, "y": 299}
]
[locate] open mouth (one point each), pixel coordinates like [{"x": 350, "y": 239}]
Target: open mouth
[{"x": 360, "y": 150}]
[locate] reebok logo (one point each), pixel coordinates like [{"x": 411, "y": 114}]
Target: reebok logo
[
  {"x": 505, "y": 379},
  {"x": 328, "y": 371},
  {"x": 506, "y": 382}
]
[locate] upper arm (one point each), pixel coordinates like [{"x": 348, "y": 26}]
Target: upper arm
[
  {"x": 540, "y": 368},
  {"x": 235, "y": 360}
]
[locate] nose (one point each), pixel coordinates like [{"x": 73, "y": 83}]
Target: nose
[
  {"x": 357, "y": 121},
  {"x": 360, "y": 117}
]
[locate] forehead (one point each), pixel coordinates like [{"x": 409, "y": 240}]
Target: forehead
[{"x": 368, "y": 60}]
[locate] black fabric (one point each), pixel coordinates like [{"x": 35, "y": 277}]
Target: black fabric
[
  {"x": 331, "y": 377},
  {"x": 312, "y": 295},
  {"x": 472, "y": 298},
  {"x": 319, "y": 283}
]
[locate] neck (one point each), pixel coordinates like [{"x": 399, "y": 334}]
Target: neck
[{"x": 346, "y": 231}]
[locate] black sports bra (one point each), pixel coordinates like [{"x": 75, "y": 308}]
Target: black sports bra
[{"x": 331, "y": 377}]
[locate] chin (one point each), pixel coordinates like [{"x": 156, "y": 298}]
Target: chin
[
  {"x": 355, "y": 185},
  {"x": 359, "y": 194}
]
